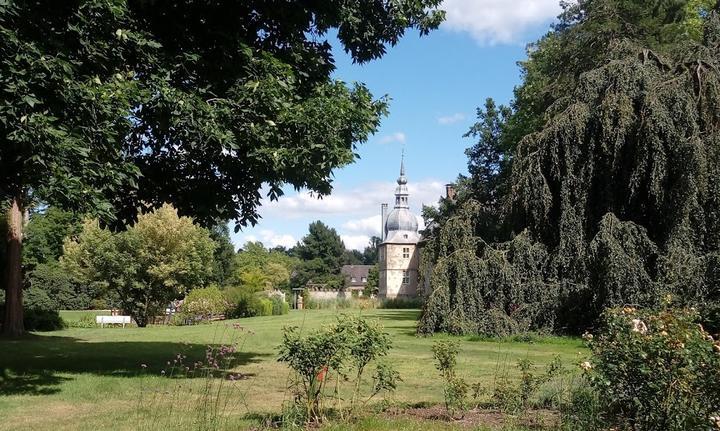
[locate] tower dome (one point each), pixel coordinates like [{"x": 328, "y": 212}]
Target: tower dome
[{"x": 401, "y": 225}]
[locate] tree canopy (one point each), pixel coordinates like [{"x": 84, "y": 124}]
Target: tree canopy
[
  {"x": 608, "y": 183},
  {"x": 115, "y": 108},
  {"x": 160, "y": 258}
]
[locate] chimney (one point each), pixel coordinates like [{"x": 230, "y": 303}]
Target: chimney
[
  {"x": 383, "y": 216},
  {"x": 450, "y": 191}
]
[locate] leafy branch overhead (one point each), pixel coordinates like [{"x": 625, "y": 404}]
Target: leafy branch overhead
[{"x": 113, "y": 106}]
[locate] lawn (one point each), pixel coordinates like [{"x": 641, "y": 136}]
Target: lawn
[{"x": 87, "y": 379}]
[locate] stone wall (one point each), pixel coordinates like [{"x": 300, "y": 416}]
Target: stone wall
[
  {"x": 392, "y": 265},
  {"x": 329, "y": 294}
]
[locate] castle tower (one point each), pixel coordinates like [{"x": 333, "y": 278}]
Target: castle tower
[{"x": 398, "y": 253}]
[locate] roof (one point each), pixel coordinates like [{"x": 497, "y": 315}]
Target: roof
[{"x": 357, "y": 273}]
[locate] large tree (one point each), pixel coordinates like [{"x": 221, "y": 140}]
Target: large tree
[
  {"x": 322, "y": 252},
  {"x": 111, "y": 107},
  {"x": 612, "y": 191}
]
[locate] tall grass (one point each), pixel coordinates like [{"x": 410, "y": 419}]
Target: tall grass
[{"x": 200, "y": 395}]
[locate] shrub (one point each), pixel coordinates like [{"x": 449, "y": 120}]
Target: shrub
[
  {"x": 204, "y": 303},
  {"x": 279, "y": 306},
  {"x": 98, "y": 304},
  {"x": 241, "y": 302},
  {"x": 335, "y": 352},
  {"x": 655, "y": 370},
  {"x": 455, "y": 388},
  {"x": 85, "y": 321},
  {"x": 66, "y": 292},
  {"x": 340, "y": 304},
  {"x": 42, "y": 320},
  {"x": 40, "y": 313},
  {"x": 710, "y": 318}
]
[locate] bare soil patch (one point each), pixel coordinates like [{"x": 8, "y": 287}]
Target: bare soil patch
[{"x": 540, "y": 419}]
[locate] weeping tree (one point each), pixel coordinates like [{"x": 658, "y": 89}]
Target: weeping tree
[
  {"x": 115, "y": 107},
  {"x": 616, "y": 179}
]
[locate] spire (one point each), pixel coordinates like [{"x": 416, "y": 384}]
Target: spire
[
  {"x": 401, "y": 192},
  {"x": 402, "y": 180}
]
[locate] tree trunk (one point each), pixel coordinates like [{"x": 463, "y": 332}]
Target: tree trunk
[{"x": 13, "y": 323}]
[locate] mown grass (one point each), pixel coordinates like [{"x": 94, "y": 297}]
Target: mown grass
[{"x": 85, "y": 379}]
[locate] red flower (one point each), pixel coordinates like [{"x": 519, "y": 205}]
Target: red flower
[{"x": 322, "y": 373}]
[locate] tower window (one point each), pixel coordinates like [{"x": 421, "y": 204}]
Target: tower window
[
  {"x": 406, "y": 277},
  {"x": 406, "y": 252}
]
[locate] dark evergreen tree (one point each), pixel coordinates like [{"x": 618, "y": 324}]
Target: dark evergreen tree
[{"x": 613, "y": 190}]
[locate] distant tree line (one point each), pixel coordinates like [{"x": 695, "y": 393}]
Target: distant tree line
[{"x": 72, "y": 262}]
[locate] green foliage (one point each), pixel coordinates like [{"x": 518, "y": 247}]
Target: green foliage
[
  {"x": 517, "y": 396},
  {"x": 36, "y": 319},
  {"x": 328, "y": 354},
  {"x": 204, "y": 303},
  {"x": 602, "y": 175},
  {"x": 710, "y": 318},
  {"x": 455, "y": 388},
  {"x": 111, "y": 108},
  {"x": 224, "y": 255},
  {"x": 655, "y": 370},
  {"x": 279, "y": 305},
  {"x": 45, "y": 233},
  {"x": 65, "y": 291},
  {"x": 322, "y": 253},
  {"x": 340, "y": 303},
  {"x": 257, "y": 268},
  {"x": 370, "y": 253},
  {"x": 401, "y": 303},
  {"x": 160, "y": 258},
  {"x": 41, "y": 313},
  {"x": 492, "y": 289},
  {"x": 373, "y": 281},
  {"x": 242, "y": 302}
]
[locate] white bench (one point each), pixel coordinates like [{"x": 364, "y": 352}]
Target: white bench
[{"x": 119, "y": 320}]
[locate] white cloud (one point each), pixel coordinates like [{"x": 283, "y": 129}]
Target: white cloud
[
  {"x": 367, "y": 226},
  {"x": 269, "y": 238},
  {"x": 451, "y": 119},
  {"x": 356, "y": 203},
  {"x": 248, "y": 238},
  {"x": 355, "y": 242},
  {"x": 272, "y": 239},
  {"x": 393, "y": 137},
  {"x": 499, "y": 21}
]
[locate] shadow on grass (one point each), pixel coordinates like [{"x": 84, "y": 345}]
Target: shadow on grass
[
  {"x": 30, "y": 365},
  {"x": 397, "y": 314}
]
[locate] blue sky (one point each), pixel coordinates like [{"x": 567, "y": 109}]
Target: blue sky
[{"x": 435, "y": 84}]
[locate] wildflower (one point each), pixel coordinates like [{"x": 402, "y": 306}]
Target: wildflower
[
  {"x": 323, "y": 372},
  {"x": 639, "y": 326},
  {"x": 587, "y": 366}
]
